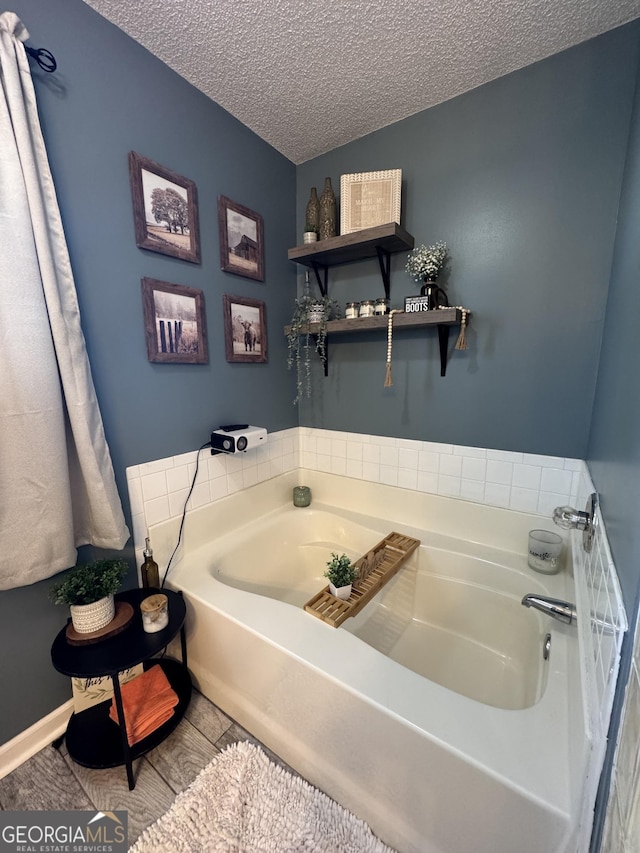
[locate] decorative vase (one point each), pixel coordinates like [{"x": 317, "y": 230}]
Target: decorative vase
[
  {"x": 435, "y": 295},
  {"x": 87, "y": 618},
  {"x": 313, "y": 210},
  {"x": 327, "y": 211},
  {"x": 342, "y": 592}
]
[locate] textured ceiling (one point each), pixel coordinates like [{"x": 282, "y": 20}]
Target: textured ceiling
[{"x": 310, "y": 76}]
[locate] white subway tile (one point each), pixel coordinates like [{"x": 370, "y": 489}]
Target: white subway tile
[
  {"x": 389, "y": 475},
  {"x": 154, "y": 485},
  {"x": 548, "y": 501},
  {"x": 307, "y": 460},
  {"x": 156, "y": 466},
  {"x": 407, "y": 458},
  {"x": 218, "y": 488},
  {"x": 355, "y": 450},
  {"x": 436, "y": 447},
  {"x": 249, "y": 476},
  {"x": 428, "y": 482},
  {"x": 499, "y": 472},
  {"x": 177, "y": 479},
  {"x": 450, "y": 465},
  {"x": 371, "y": 453},
  {"x": 355, "y": 469},
  {"x": 573, "y": 464},
  {"x": 383, "y": 440},
  {"x": 504, "y": 456},
  {"x": 324, "y": 463},
  {"x": 371, "y": 472},
  {"x": 217, "y": 466},
  {"x": 448, "y": 486},
  {"x": 472, "y": 490},
  {"x": 408, "y": 478},
  {"x": 324, "y": 446},
  {"x": 389, "y": 456},
  {"x": 338, "y": 465},
  {"x": 497, "y": 494},
  {"x": 132, "y": 472},
  {"x": 408, "y": 444},
  {"x": 471, "y": 452},
  {"x": 543, "y": 461},
  {"x": 188, "y": 458},
  {"x": 527, "y": 476},
  {"x": 176, "y": 502},
  {"x": 474, "y": 468},
  {"x": 136, "y": 500},
  {"x": 339, "y": 448},
  {"x": 157, "y": 510},
  {"x": 200, "y": 496},
  {"x": 429, "y": 461},
  {"x": 523, "y": 500},
  {"x": 556, "y": 480}
]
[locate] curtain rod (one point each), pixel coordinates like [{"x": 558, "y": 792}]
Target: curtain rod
[{"x": 43, "y": 57}]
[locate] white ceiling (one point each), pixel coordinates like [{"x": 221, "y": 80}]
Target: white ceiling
[{"x": 310, "y": 76}]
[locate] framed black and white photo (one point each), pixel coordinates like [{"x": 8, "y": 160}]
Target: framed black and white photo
[
  {"x": 241, "y": 239},
  {"x": 174, "y": 322},
  {"x": 245, "y": 329},
  {"x": 165, "y": 210}
]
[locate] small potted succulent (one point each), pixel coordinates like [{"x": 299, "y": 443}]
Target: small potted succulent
[
  {"x": 341, "y": 575},
  {"x": 89, "y": 591},
  {"x": 310, "y": 233}
]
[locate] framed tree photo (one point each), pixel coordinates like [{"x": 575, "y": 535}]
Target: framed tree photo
[
  {"x": 174, "y": 322},
  {"x": 241, "y": 239},
  {"x": 245, "y": 329},
  {"x": 165, "y": 210}
]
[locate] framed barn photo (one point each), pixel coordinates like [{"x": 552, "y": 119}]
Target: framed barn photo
[
  {"x": 241, "y": 239},
  {"x": 165, "y": 210},
  {"x": 174, "y": 323},
  {"x": 245, "y": 329}
]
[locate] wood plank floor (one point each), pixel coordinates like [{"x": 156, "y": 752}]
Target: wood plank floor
[{"x": 52, "y": 781}]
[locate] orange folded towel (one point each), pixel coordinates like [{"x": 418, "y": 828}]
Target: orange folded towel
[{"x": 148, "y": 701}]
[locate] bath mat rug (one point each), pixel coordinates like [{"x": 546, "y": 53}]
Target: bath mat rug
[{"x": 244, "y": 803}]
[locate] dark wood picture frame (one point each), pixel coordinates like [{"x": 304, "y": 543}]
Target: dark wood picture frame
[
  {"x": 165, "y": 210},
  {"x": 174, "y": 322},
  {"x": 241, "y": 239},
  {"x": 245, "y": 329}
]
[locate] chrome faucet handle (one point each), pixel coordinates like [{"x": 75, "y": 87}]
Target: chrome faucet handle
[{"x": 569, "y": 518}]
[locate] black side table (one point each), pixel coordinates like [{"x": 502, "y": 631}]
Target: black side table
[{"x": 93, "y": 739}]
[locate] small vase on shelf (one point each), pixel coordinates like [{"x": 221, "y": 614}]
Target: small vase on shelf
[
  {"x": 327, "y": 211},
  {"x": 312, "y": 215}
]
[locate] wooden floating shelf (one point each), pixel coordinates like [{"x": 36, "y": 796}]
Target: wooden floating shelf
[
  {"x": 389, "y": 555},
  {"x": 419, "y": 319},
  {"x": 356, "y": 246}
]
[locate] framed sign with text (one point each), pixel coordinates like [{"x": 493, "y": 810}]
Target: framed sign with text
[{"x": 368, "y": 199}]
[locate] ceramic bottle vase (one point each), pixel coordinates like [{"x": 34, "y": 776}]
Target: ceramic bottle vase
[
  {"x": 327, "y": 211},
  {"x": 312, "y": 218}
]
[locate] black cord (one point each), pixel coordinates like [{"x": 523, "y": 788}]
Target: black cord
[{"x": 184, "y": 514}]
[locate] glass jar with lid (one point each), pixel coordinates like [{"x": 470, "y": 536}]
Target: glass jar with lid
[
  {"x": 351, "y": 310},
  {"x": 381, "y": 306},
  {"x": 367, "y": 308}
]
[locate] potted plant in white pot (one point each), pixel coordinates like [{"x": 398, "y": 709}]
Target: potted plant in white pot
[
  {"x": 308, "y": 310},
  {"x": 89, "y": 591},
  {"x": 341, "y": 575}
]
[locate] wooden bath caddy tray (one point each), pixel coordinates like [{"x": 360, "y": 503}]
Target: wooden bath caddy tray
[{"x": 386, "y": 558}]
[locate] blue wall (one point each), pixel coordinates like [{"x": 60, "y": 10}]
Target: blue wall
[
  {"x": 110, "y": 96},
  {"x": 614, "y": 444},
  {"x": 521, "y": 178}
]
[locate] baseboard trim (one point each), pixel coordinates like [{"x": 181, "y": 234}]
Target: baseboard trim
[{"x": 24, "y": 746}]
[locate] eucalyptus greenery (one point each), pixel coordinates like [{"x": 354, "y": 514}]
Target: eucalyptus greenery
[
  {"x": 302, "y": 338},
  {"x": 340, "y": 571},
  {"x": 425, "y": 262},
  {"x": 89, "y": 583}
]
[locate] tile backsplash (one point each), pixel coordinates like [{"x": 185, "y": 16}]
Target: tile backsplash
[{"x": 520, "y": 481}]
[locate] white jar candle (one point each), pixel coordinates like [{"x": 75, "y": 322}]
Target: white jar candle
[{"x": 155, "y": 613}]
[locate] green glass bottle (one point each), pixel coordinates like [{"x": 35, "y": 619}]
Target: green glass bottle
[{"x": 149, "y": 569}]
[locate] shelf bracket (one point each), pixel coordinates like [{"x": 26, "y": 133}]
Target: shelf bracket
[
  {"x": 316, "y": 268},
  {"x": 384, "y": 258},
  {"x": 443, "y": 340}
]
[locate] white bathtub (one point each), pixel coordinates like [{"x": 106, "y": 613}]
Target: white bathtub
[{"x": 466, "y": 742}]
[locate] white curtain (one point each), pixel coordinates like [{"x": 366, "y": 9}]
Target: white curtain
[{"x": 57, "y": 488}]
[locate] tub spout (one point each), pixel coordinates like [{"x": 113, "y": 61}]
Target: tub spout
[{"x": 563, "y": 611}]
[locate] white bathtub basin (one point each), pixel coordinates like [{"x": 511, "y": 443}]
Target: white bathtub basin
[
  {"x": 451, "y": 617},
  {"x": 471, "y": 744}
]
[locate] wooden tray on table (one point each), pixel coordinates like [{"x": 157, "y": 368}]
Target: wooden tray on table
[{"x": 377, "y": 567}]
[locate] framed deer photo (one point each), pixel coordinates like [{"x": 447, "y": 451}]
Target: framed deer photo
[
  {"x": 165, "y": 210},
  {"x": 174, "y": 322},
  {"x": 245, "y": 329}
]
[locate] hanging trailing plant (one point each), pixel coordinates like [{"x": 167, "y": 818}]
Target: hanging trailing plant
[{"x": 302, "y": 337}]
